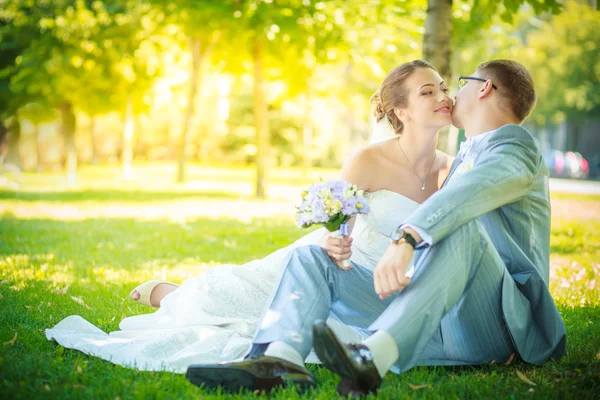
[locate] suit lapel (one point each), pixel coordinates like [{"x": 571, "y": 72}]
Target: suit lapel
[{"x": 453, "y": 167}]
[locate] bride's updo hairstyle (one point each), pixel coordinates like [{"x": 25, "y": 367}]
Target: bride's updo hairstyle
[{"x": 392, "y": 93}]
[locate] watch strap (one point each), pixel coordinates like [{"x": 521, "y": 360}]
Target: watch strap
[{"x": 410, "y": 240}]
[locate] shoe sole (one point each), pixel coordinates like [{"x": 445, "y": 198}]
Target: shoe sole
[
  {"x": 334, "y": 358},
  {"x": 234, "y": 380}
]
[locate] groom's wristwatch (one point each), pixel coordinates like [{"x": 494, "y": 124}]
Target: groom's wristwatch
[{"x": 400, "y": 234}]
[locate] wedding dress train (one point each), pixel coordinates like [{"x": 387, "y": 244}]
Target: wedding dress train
[{"x": 213, "y": 317}]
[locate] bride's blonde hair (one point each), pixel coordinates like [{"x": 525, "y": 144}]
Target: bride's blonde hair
[{"x": 392, "y": 93}]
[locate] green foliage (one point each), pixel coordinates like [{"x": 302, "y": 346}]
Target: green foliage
[
  {"x": 560, "y": 51},
  {"x": 471, "y": 17},
  {"x": 37, "y": 113},
  {"x": 322, "y": 62},
  {"x": 15, "y": 37},
  {"x": 565, "y": 57},
  {"x": 92, "y": 55}
]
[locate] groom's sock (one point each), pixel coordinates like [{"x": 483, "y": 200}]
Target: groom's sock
[
  {"x": 384, "y": 350},
  {"x": 284, "y": 351}
]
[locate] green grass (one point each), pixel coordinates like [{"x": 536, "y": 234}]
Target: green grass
[{"x": 56, "y": 245}]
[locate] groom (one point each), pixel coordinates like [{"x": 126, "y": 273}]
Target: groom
[{"x": 480, "y": 288}]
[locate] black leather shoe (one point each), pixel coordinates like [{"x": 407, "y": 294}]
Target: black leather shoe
[
  {"x": 261, "y": 373},
  {"x": 347, "y": 387},
  {"x": 353, "y": 362}
]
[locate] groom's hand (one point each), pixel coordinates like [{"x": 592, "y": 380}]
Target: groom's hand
[{"x": 390, "y": 272}]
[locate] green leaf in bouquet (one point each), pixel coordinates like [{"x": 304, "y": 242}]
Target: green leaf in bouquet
[{"x": 336, "y": 221}]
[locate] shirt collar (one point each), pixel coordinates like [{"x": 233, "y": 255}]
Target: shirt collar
[{"x": 467, "y": 145}]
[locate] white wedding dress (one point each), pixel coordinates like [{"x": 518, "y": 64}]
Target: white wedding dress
[{"x": 213, "y": 317}]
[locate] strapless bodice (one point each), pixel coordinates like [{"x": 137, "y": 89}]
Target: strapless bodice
[{"x": 371, "y": 231}]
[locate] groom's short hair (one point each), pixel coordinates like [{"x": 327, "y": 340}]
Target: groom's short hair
[{"x": 515, "y": 85}]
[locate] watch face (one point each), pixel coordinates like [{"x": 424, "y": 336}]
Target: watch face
[{"x": 399, "y": 234}]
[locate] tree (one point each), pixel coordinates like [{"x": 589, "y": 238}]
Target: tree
[
  {"x": 438, "y": 35},
  {"x": 200, "y": 26},
  {"x": 264, "y": 33},
  {"x": 44, "y": 70},
  {"x": 468, "y": 19},
  {"x": 37, "y": 114},
  {"x": 94, "y": 54},
  {"x": 280, "y": 38},
  {"x": 130, "y": 45},
  {"x": 15, "y": 38},
  {"x": 200, "y": 47},
  {"x": 564, "y": 59},
  {"x": 560, "y": 51}
]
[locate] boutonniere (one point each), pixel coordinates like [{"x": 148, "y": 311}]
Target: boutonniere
[{"x": 465, "y": 166}]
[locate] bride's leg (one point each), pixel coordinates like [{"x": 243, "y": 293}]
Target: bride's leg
[{"x": 158, "y": 293}]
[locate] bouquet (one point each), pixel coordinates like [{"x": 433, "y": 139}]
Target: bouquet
[{"x": 331, "y": 204}]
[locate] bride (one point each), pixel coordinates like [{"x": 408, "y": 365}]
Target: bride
[{"x": 213, "y": 317}]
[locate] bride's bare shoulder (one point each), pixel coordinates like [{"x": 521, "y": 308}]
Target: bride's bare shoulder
[{"x": 359, "y": 167}]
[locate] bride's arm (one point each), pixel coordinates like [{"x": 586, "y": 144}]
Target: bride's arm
[{"x": 357, "y": 170}]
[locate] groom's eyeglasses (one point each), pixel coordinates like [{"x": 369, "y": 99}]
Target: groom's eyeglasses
[{"x": 462, "y": 81}]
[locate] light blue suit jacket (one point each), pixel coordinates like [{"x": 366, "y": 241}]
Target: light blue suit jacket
[{"x": 507, "y": 191}]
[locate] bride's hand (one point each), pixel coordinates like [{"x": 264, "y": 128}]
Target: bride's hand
[
  {"x": 339, "y": 249},
  {"x": 390, "y": 272}
]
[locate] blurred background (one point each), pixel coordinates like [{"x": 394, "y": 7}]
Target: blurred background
[{"x": 267, "y": 83}]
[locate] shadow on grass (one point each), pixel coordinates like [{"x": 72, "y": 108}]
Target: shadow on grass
[
  {"x": 108, "y": 195},
  {"x": 133, "y": 245}
]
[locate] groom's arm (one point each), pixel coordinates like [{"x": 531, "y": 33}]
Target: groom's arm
[{"x": 502, "y": 174}]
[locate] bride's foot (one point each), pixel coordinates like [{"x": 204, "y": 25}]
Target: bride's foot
[{"x": 152, "y": 292}]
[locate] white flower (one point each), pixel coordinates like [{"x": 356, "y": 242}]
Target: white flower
[
  {"x": 335, "y": 207},
  {"x": 465, "y": 166},
  {"x": 325, "y": 193}
]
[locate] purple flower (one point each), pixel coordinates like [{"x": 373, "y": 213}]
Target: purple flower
[
  {"x": 349, "y": 206},
  {"x": 330, "y": 203}
]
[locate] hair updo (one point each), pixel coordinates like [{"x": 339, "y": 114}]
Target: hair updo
[{"x": 392, "y": 93}]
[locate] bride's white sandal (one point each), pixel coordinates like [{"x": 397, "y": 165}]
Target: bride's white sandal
[{"x": 145, "y": 290}]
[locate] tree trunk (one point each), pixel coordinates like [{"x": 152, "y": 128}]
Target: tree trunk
[
  {"x": 14, "y": 136},
  {"x": 93, "y": 140},
  {"x": 438, "y": 33},
  {"x": 39, "y": 150},
  {"x": 128, "y": 130},
  {"x": 68, "y": 131},
  {"x": 198, "y": 56},
  {"x": 3, "y": 142},
  {"x": 261, "y": 121},
  {"x": 307, "y": 137},
  {"x": 195, "y": 44},
  {"x": 437, "y": 50}
]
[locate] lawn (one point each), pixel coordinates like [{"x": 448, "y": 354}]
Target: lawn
[{"x": 81, "y": 251}]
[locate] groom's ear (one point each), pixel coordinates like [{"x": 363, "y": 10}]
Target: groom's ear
[{"x": 486, "y": 89}]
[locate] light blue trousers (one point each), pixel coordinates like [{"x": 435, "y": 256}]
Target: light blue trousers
[{"x": 450, "y": 314}]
